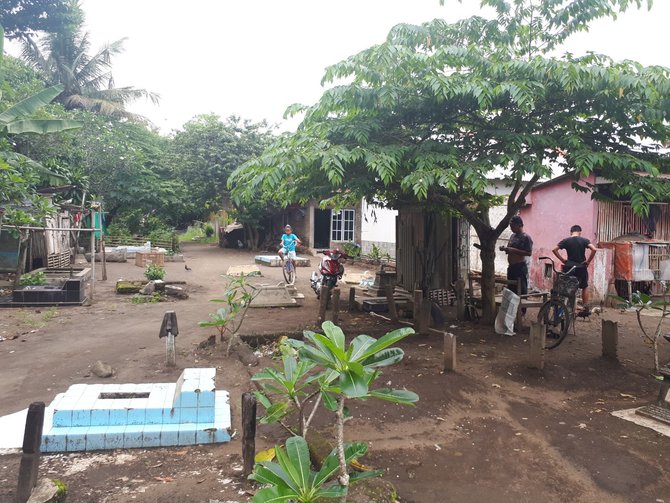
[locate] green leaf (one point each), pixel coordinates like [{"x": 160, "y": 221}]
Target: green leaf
[
  {"x": 298, "y": 453},
  {"x": 30, "y": 105},
  {"x": 386, "y": 340},
  {"x": 402, "y": 396},
  {"x": 353, "y": 385},
  {"x": 275, "y": 494},
  {"x": 335, "y": 334},
  {"x": 384, "y": 358},
  {"x": 275, "y": 412},
  {"x": 41, "y": 126}
]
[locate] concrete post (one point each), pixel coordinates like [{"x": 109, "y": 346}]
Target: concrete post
[
  {"x": 610, "y": 337},
  {"x": 449, "y": 352},
  {"x": 393, "y": 313},
  {"x": 336, "y": 305},
  {"x": 537, "y": 344}
]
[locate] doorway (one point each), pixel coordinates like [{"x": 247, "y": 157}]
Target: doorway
[{"x": 322, "y": 228}]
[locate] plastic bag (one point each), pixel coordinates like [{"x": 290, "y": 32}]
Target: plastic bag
[{"x": 509, "y": 306}]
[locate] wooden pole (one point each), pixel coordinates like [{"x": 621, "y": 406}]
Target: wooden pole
[
  {"x": 92, "y": 255},
  {"x": 352, "y": 299},
  {"x": 248, "y": 431},
  {"x": 449, "y": 352},
  {"x": 323, "y": 305},
  {"x": 459, "y": 286},
  {"x": 336, "y": 305},
  {"x": 416, "y": 306},
  {"x": 30, "y": 460},
  {"x": 424, "y": 317},
  {"x": 537, "y": 344},
  {"x": 610, "y": 337},
  {"x": 170, "y": 350},
  {"x": 393, "y": 312}
]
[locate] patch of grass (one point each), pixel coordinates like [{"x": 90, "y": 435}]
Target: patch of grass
[
  {"x": 197, "y": 233},
  {"x": 50, "y": 314},
  {"x": 146, "y": 299}
]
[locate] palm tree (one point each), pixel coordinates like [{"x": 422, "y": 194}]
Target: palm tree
[{"x": 63, "y": 58}]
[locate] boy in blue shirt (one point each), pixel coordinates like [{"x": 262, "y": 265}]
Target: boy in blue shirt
[{"x": 288, "y": 243}]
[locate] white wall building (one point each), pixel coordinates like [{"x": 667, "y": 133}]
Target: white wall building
[{"x": 378, "y": 228}]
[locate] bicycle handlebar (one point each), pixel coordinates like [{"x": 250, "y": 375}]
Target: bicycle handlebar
[{"x": 553, "y": 266}]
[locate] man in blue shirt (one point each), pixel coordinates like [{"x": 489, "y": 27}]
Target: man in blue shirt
[{"x": 288, "y": 243}]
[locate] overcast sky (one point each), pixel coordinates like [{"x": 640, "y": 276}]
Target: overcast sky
[{"x": 253, "y": 58}]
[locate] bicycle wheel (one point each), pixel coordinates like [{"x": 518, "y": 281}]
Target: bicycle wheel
[
  {"x": 554, "y": 316},
  {"x": 289, "y": 271}
]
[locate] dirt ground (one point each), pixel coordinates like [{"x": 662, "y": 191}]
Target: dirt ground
[{"x": 494, "y": 430}]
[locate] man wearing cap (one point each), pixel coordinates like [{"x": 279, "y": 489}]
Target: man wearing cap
[{"x": 519, "y": 246}]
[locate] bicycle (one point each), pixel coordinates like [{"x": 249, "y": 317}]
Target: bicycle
[
  {"x": 558, "y": 311},
  {"x": 288, "y": 268}
]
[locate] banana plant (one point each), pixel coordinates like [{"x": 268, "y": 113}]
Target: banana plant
[{"x": 292, "y": 479}]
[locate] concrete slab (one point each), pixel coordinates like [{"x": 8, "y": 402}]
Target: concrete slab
[
  {"x": 275, "y": 261},
  {"x": 273, "y": 296},
  {"x": 247, "y": 270},
  {"x": 632, "y": 416}
]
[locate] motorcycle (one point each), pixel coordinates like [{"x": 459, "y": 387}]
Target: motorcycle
[{"x": 330, "y": 271}]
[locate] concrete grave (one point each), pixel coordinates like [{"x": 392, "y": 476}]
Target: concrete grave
[
  {"x": 247, "y": 270},
  {"x": 275, "y": 261},
  {"x": 110, "y": 416},
  {"x": 273, "y": 296}
]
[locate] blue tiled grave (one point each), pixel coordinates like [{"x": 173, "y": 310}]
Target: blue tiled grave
[{"x": 111, "y": 416}]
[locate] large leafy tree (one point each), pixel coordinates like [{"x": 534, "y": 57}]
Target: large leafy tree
[
  {"x": 428, "y": 116},
  {"x": 64, "y": 57},
  {"x": 19, "y": 174},
  {"x": 207, "y": 150},
  {"x": 22, "y": 17}
]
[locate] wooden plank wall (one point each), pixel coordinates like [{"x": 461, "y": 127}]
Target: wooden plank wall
[
  {"x": 424, "y": 250},
  {"x": 617, "y": 218}
]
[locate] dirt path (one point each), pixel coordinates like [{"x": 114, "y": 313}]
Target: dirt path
[{"x": 493, "y": 431}]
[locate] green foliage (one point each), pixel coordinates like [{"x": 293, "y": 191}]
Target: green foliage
[
  {"x": 23, "y": 17},
  {"x": 237, "y": 297},
  {"x": 61, "y": 488},
  {"x": 154, "y": 298},
  {"x": 292, "y": 479},
  {"x": 209, "y": 230},
  {"x": 431, "y": 114},
  {"x": 352, "y": 249},
  {"x": 33, "y": 278},
  {"x": 154, "y": 272},
  {"x": 207, "y": 150},
  {"x": 196, "y": 233}
]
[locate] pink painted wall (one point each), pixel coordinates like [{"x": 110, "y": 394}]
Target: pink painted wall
[{"x": 554, "y": 208}]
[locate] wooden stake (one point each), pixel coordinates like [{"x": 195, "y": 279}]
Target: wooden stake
[
  {"x": 30, "y": 460},
  {"x": 416, "y": 305},
  {"x": 459, "y": 286},
  {"x": 537, "y": 344},
  {"x": 336, "y": 305},
  {"x": 352, "y": 299},
  {"x": 424, "y": 317},
  {"x": 248, "y": 431},
  {"x": 449, "y": 352},
  {"x": 325, "y": 293},
  {"x": 610, "y": 338},
  {"x": 393, "y": 313}
]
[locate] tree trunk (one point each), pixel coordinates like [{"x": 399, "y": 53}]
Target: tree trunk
[{"x": 488, "y": 255}]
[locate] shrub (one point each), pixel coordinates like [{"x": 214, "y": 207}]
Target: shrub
[
  {"x": 33, "y": 278},
  {"x": 154, "y": 272},
  {"x": 209, "y": 230}
]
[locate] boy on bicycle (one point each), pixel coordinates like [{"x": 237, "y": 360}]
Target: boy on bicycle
[{"x": 288, "y": 243}]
